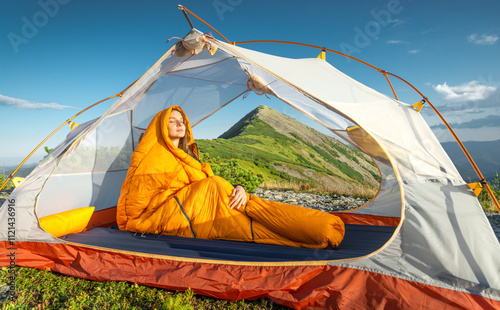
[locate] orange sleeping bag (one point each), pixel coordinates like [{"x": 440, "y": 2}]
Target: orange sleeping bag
[{"x": 167, "y": 191}]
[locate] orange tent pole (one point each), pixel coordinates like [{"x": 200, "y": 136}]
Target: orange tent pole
[
  {"x": 390, "y": 84},
  {"x": 313, "y": 46},
  {"x": 184, "y": 9},
  {"x": 56, "y": 130}
]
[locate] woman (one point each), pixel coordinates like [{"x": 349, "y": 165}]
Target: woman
[
  {"x": 177, "y": 133},
  {"x": 168, "y": 191}
]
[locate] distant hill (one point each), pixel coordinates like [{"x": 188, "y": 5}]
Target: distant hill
[
  {"x": 22, "y": 172},
  {"x": 486, "y": 154},
  {"x": 285, "y": 150}
]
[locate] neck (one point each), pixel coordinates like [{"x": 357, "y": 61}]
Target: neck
[{"x": 176, "y": 142}]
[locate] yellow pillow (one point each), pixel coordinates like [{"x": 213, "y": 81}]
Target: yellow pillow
[{"x": 68, "y": 222}]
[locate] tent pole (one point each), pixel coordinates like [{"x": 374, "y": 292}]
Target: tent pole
[
  {"x": 390, "y": 84},
  {"x": 313, "y": 46},
  {"x": 181, "y": 7},
  {"x": 56, "y": 130},
  {"x": 184, "y": 9}
]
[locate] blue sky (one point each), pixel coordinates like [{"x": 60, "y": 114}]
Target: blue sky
[{"x": 60, "y": 56}]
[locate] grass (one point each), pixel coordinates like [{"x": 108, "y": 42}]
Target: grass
[
  {"x": 333, "y": 188},
  {"x": 41, "y": 289},
  {"x": 485, "y": 199}
]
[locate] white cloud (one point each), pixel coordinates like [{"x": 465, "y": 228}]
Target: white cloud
[
  {"x": 25, "y": 104},
  {"x": 397, "y": 22},
  {"x": 471, "y": 91},
  {"x": 414, "y": 51},
  {"x": 396, "y": 42},
  {"x": 484, "y": 39},
  {"x": 427, "y": 31}
]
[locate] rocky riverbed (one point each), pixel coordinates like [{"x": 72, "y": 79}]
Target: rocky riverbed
[{"x": 327, "y": 203}]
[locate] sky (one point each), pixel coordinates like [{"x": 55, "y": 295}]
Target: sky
[{"x": 58, "y": 57}]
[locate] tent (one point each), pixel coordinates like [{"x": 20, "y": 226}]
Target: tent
[{"x": 422, "y": 242}]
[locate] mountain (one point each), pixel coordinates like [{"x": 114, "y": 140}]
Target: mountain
[
  {"x": 287, "y": 151},
  {"x": 488, "y": 121},
  {"x": 484, "y": 153},
  {"x": 22, "y": 172}
]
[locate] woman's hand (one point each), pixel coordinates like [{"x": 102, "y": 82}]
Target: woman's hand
[{"x": 239, "y": 197}]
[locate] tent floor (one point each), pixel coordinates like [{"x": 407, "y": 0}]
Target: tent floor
[{"x": 359, "y": 240}]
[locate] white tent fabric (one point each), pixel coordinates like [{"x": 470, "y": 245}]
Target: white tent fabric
[{"x": 444, "y": 238}]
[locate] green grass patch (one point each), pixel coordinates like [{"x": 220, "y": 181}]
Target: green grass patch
[
  {"x": 331, "y": 157},
  {"x": 485, "y": 199}
]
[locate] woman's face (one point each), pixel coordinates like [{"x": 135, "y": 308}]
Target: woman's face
[{"x": 176, "y": 127}]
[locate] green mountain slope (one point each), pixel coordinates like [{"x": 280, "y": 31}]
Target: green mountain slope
[{"x": 292, "y": 155}]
